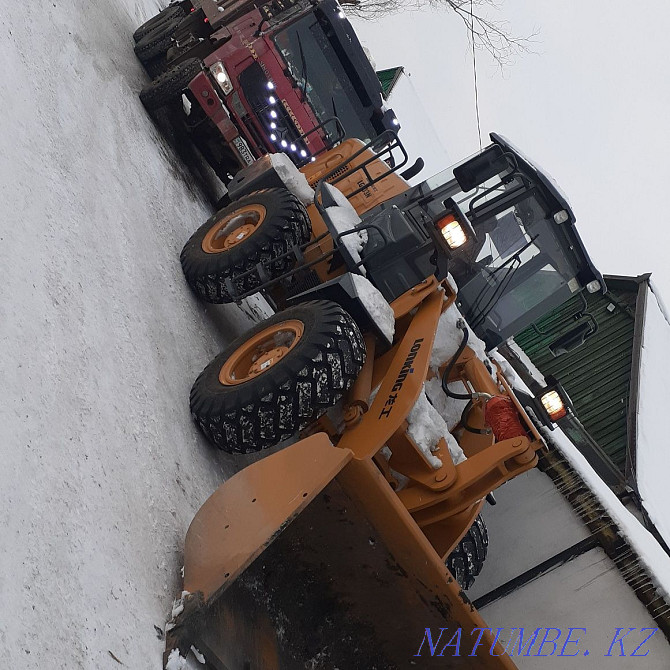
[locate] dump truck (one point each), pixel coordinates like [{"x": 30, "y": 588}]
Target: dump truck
[
  {"x": 351, "y": 547},
  {"x": 245, "y": 78}
]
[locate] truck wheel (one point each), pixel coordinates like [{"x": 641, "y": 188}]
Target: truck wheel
[
  {"x": 278, "y": 378},
  {"x": 256, "y": 228},
  {"x": 156, "y": 43},
  {"x": 168, "y": 86},
  {"x": 167, "y": 14},
  {"x": 466, "y": 561}
]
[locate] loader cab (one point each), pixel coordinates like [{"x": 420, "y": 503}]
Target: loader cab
[{"x": 522, "y": 256}]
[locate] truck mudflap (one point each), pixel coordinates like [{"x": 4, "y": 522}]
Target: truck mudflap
[{"x": 307, "y": 559}]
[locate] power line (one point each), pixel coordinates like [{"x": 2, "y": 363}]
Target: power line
[{"x": 474, "y": 71}]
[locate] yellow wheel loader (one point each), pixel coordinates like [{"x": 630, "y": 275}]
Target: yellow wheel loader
[{"x": 332, "y": 552}]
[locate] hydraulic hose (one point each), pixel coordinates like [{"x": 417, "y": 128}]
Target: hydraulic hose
[{"x": 445, "y": 386}]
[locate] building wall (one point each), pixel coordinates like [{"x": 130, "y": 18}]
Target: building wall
[{"x": 531, "y": 523}]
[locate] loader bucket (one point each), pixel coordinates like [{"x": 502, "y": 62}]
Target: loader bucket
[{"x": 307, "y": 559}]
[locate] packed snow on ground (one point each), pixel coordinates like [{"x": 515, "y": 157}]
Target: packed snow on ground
[
  {"x": 100, "y": 342},
  {"x": 377, "y": 306},
  {"x": 652, "y": 426},
  {"x": 640, "y": 539},
  {"x": 427, "y": 428},
  {"x": 344, "y": 218},
  {"x": 294, "y": 180}
]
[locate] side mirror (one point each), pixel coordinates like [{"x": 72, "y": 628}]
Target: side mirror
[
  {"x": 414, "y": 169},
  {"x": 574, "y": 338},
  {"x": 483, "y": 166}
]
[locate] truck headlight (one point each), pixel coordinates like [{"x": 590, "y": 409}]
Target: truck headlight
[
  {"x": 452, "y": 231},
  {"x": 553, "y": 403},
  {"x": 222, "y": 79}
]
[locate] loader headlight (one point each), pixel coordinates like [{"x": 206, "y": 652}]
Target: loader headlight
[
  {"x": 222, "y": 79},
  {"x": 553, "y": 403},
  {"x": 452, "y": 231}
]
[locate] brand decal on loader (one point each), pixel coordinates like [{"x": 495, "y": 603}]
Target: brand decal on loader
[{"x": 405, "y": 370}]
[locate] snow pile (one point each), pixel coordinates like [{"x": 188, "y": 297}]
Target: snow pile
[
  {"x": 344, "y": 218},
  {"x": 175, "y": 661},
  {"x": 427, "y": 427},
  {"x": 448, "y": 338},
  {"x": 654, "y": 558},
  {"x": 376, "y": 305},
  {"x": 652, "y": 478},
  {"x": 294, "y": 180},
  {"x": 450, "y": 409}
]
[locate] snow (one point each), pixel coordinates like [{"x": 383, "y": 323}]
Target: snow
[
  {"x": 450, "y": 409},
  {"x": 651, "y": 419},
  {"x": 294, "y": 180},
  {"x": 448, "y": 338},
  {"x": 651, "y": 554},
  {"x": 175, "y": 661},
  {"x": 427, "y": 427},
  {"x": 523, "y": 357},
  {"x": 344, "y": 218},
  {"x": 376, "y": 305},
  {"x": 100, "y": 342}
]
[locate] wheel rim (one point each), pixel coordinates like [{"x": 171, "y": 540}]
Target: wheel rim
[
  {"x": 261, "y": 352},
  {"x": 233, "y": 229}
]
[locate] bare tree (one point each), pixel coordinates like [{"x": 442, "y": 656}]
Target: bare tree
[{"x": 484, "y": 31}]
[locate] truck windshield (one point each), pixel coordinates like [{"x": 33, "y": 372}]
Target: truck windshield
[{"x": 320, "y": 74}]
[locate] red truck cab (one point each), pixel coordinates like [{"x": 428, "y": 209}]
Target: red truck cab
[{"x": 274, "y": 77}]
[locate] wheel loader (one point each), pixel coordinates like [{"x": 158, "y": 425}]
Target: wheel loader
[{"x": 334, "y": 551}]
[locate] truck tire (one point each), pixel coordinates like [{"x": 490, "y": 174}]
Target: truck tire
[
  {"x": 466, "y": 561},
  {"x": 257, "y": 228},
  {"x": 156, "y": 43},
  {"x": 278, "y": 377},
  {"x": 168, "y": 86},
  {"x": 167, "y": 14}
]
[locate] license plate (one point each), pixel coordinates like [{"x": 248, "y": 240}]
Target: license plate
[{"x": 243, "y": 150}]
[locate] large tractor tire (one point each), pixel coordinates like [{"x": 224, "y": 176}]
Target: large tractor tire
[
  {"x": 278, "y": 378},
  {"x": 257, "y": 228},
  {"x": 156, "y": 43},
  {"x": 168, "y": 14},
  {"x": 466, "y": 561},
  {"x": 168, "y": 86}
]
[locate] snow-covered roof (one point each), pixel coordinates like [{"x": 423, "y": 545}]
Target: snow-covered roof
[
  {"x": 644, "y": 544},
  {"x": 652, "y": 442}
]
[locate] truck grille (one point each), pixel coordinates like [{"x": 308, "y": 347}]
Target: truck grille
[{"x": 254, "y": 85}]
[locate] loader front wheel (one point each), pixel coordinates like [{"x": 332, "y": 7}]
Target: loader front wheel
[
  {"x": 466, "y": 561},
  {"x": 278, "y": 378},
  {"x": 255, "y": 229}
]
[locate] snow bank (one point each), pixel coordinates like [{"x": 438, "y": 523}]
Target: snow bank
[
  {"x": 427, "y": 427},
  {"x": 294, "y": 180},
  {"x": 376, "y": 304},
  {"x": 652, "y": 479},
  {"x": 344, "y": 218}
]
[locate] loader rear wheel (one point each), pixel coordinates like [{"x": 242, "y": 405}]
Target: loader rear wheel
[
  {"x": 466, "y": 561},
  {"x": 278, "y": 378},
  {"x": 168, "y": 86},
  {"x": 169, "y": 13},
  {"x": 255, "y": 229}
]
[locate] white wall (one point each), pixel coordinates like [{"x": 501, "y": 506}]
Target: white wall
[
  {"x": 531, "y": 523},
  {"x": 417, "y": 132}
]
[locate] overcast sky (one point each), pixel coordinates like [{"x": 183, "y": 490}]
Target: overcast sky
[{"x": 592, "y": 106}]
